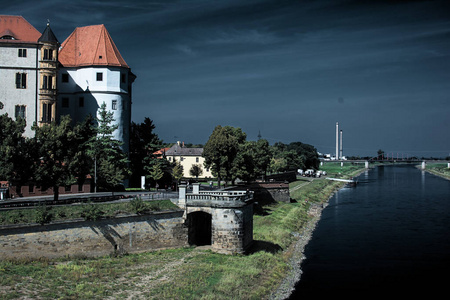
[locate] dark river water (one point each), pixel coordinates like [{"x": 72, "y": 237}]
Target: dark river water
[{"x": 388, "y": 236}]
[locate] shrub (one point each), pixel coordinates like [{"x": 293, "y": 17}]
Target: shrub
[
  {"x": 91, "y": 212},
  {"x": 43, "y": 214},
  {"x": 138, "y": 206}
]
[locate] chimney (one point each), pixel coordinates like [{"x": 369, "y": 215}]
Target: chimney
[{"x": 337, "y": 140}]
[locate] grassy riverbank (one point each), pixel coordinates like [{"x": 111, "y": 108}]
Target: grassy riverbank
[
  {"x": 186, "y": 273},
  {"x": 441, "y": 170}
]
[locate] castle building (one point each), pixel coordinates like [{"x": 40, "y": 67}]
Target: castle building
[{"x": 41, "y": 79}]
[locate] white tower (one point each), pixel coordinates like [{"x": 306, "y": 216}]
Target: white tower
[{"x": 340, "y": 145}]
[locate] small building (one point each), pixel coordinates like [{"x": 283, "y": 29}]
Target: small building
[
  {"x": 188, "y": 157},
  {"x": 222, "y": 219}
]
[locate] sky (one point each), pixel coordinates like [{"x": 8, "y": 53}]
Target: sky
[{"x": 287, "y": 70}]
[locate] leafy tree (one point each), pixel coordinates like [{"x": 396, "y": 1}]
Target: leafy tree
[
  {"x": 15, "y": 153},
  {"x": 221, "y": 150},
  {"x": 196, "y": 170},
  {"x": 82, "y": 162},
  {"x": 143, "y": 143},
  {"x": 156, "y": 173},
  {"x": 177, "y": 172},
  {"x": 244, "y": 163},
  {"x": 110, "y": 162},
  {"x": 262, "y": 156},
  {"x": 56, "y": 146}
]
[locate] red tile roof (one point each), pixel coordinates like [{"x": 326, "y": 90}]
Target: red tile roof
[
  {"x": 90, "y": 46},
  {"x": 19, "y": 29}
]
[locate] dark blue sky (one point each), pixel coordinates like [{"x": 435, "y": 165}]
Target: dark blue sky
[{"x": 287, "y": 69}]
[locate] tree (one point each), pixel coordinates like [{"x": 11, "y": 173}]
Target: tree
[
  {"x": 110, "y": 162},
  {"x": 56, "y": 146},
  {"x": 196, "y": 170},
  {"x": 16, "y": 156},
  {"x": 143, "y": 143},
  {"x": 177, "y": 172},
  {"x": 156, "y": 173},
  {"x": 221, "y": 150},
  {"x": 262, "y": 156},
  {"x": 81, "y": 164}
]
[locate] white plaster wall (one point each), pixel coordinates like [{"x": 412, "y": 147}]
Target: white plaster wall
[
  {"x": 83, "y": 83},
  {"x": 10, "y": 96}
]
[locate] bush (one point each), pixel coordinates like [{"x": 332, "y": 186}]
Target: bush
[
  {"x": 138, "y": 206},
  {"x": 43, "y": 214},
  {"x": 91, "y": 212}
]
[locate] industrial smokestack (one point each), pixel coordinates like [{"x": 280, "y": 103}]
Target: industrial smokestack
[
  {"x": 340, "y": 152},
  {"x": 337, "y": 140}
]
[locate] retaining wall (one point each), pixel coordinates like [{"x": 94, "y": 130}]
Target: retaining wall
[{"x": 127, "y": 234}]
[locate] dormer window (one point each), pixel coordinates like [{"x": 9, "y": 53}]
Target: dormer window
[{"x": 7, "y": 37}]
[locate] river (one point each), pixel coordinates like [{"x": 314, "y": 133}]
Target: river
[{"x": 388, "y": 236}]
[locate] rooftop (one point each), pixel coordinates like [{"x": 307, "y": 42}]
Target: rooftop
[
  {"x": 15, "y": 29},
  {"x": 90, "y": 46}
]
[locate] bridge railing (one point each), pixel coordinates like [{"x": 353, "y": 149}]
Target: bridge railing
[{"x": 221, "y": 196}]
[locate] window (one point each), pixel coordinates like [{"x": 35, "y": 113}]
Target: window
[
  {"x": 65, "y": 77},
  {"x": 22, "y": 52},
  {"x": 81, "y": 102},
  {"x": 114, "y": 104},
  {"x": 20, "y": 111},
  {"x": 99, "y": 76},
  {"x": 124, "y": 78},
  {"x": 181, "y": 158},
  {"x": 21, "y": 80},
  {"x": 65, "y": 102},
  {"x": 48, "y": 54},
  {"x": 47, "y": 83},
  {"x": 46, "y": 112}
]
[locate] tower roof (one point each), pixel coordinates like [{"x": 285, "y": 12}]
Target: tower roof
[
  {"x": 15, "y": 29},
  {"x": 48, "y": 35},
  {"x": 90, "y": 46}
]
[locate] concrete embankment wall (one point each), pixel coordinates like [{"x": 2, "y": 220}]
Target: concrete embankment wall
[{"x": 127, "y": 234}]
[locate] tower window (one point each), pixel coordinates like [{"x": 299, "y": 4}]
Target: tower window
[
  {"x": 46, "y": 112},
  {"x": 22, "y": 52},
  {"x": 99, "y": 76},
  {"x": 114, "y": 104},
  {"x": 47, "y": 83},
  {"x": 81, "y": 102},
  {"x": 65, "y": 77},
  {"x": 20, "y": 111},
  {"x": 21, "y": 80},
  {"x": 124, "y": 78},
  {"x": 48, "y": 54}
]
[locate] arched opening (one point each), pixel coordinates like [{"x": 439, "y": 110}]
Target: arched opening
[{"x": 199, "y": 232}]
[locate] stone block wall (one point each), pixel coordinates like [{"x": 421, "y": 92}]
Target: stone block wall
[
  {"x": 128, "y": 234},
  {"x": 232, "y": 229}
]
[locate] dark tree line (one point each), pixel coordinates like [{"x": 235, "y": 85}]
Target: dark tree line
[
  {"x": 230, "y": 156},
  {"x": 60, "y": 154}
]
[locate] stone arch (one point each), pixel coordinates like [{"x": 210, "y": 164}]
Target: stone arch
[{"x": 199, "y": 228}]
